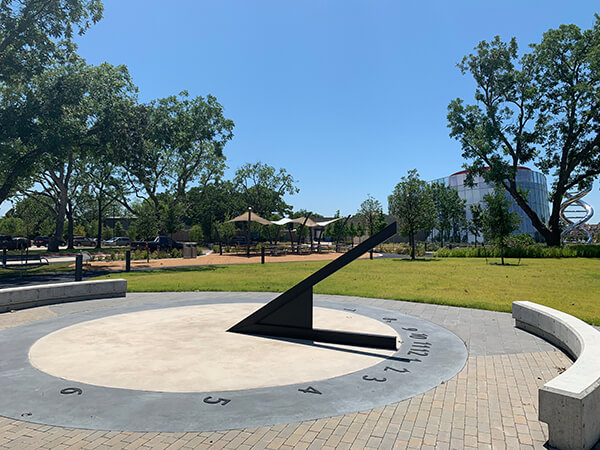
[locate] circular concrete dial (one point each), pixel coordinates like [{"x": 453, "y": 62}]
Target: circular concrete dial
[
  {"x": 143, "y": 367},
  {"x": 188, "y": 349}
]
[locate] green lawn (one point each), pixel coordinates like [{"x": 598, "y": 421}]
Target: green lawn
[
  {"x": 50, "y": 268},
  {"x": 571, "y": 285}
]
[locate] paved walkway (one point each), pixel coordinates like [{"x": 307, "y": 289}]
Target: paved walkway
[{"x": 491, "y": 403}]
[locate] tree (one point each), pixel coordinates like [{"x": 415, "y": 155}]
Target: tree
[
  {"x": 34, "y": 212},
  {"x": 33, "y": 36},
  {"x": 33, "y": 33},
  {"x": 498, "y": 222},
  {"x": 371, "y": 215},
  {"x": 14, "y": 226},
  {"x": 196, "y": 234},
  {"x": 476, "y": 222},
  {"x": 262, "y": 188},
  {"x": 146, "y": 225},
  {"x": 543, "y": 109},
  {"x": 215, "y": 203},
  {"x": 172, "y": 143},
  {"x": 412, "y": 204},
  {"x": 86, "y": 96},
  {"x": 449, "y": 210}
]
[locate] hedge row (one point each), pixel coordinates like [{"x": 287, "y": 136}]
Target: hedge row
[{"x": 529, "y": 251}]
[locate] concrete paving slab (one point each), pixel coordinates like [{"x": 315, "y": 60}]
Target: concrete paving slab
[{"x": 491, "y": 403}]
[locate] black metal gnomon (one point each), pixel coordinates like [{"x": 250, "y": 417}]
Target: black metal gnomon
[{"x": 290, "y": 315}]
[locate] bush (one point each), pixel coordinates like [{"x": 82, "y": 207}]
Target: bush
[
  {"x": 520, "y": 248},
  {"x": 196, "y": 234}
]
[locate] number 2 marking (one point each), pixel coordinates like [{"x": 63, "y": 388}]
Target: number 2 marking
[
  {"x": 396, "y": 370},
  {"x": 222, "y": 401}
]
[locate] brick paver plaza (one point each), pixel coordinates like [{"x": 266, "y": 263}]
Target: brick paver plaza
[{"x": 491, "y": 403}]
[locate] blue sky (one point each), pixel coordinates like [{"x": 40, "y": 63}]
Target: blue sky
[{"x": 346, "y": 95}]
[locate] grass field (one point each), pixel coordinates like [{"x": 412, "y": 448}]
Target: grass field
[
  {"x": 571, "y": 285},
  {"x": 51, "y": 268}
]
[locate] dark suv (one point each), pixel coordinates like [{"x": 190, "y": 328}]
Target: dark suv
[{"x": 10, "y": 243}]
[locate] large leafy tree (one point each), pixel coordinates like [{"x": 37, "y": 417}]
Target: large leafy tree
[
  {"x": 34, "y": 35},
  {"x": 412, "y": 204},
  {"x": 541, "y": 109},
  {"x": 214, "y": 204},
  {"x": 262, "y": 187},
  {"x": 88, "y": 95},
  {"x": 171, "y": 144}
]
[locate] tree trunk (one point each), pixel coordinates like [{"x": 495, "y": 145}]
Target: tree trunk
[
  {"x": 70, "y": 226},
  {"x": 551, "y": 233},
  {"x": 99, "y": 234},
  {"x": 502, "y": 250},
  {"x": 411, "y": 240},
  {"x": 54, "y": 240}
]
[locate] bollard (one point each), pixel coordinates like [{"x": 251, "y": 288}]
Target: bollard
[
  {"x": 262, "y": 255},
  {"x": 128, "y": 261},
  {"x": 78, "y": 267}
]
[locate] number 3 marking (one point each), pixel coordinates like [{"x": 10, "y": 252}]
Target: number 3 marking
[{"x": 379, "y": 380}]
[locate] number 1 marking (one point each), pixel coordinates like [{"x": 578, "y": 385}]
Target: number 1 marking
[{"x": 310, "y": 390}]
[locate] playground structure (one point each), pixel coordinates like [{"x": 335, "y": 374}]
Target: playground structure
[{"x": 574, "y": 213}]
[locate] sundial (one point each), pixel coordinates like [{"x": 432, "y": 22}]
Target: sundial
[{"x": 215, "y": 361}]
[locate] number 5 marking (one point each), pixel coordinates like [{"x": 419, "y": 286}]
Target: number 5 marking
[{"x": 222, "y": 401}]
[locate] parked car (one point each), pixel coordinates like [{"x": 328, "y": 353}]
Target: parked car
[
  {"x": 122, "y": 241},
  {"x": 83, "y": 241},
  {"x": 10, "y": 243},
  {"x": 40, "y": 241},
  {"x": 23, "y": 242},
  {"x": 159, "y": 243}
]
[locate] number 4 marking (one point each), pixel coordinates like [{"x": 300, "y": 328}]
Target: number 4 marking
[{"x": 310, "y": 390}]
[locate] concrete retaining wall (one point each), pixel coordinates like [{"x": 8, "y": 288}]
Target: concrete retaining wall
[
  {"x": 46, "y": 294},
  {"x": 569, "y": 403}
]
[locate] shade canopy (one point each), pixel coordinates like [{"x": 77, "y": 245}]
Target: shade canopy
[
  {"x": 253, "y": 218},
  {"x": 301, "y": 220}
]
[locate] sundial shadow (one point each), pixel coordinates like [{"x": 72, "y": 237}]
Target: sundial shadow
[{"x": 336, "y": 348}]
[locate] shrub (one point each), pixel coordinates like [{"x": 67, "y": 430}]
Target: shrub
[{"x": 520, "y": 249}]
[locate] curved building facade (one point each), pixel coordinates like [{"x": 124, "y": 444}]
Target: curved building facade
[{"x": 532, "y": 182}]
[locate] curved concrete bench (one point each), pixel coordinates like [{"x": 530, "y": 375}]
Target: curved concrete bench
[
  {"x": 569, "y": 403},
  {"x": 46, "y": 294}
]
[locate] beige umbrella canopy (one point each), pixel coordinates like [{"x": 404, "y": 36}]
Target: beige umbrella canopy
[{"x": 253, "y": 218}]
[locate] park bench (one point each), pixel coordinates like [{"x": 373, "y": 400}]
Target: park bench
[
  {"x": 50, "y": 294},
  {"x": 23, "y": 262},
  {"x": 569, "y": 403}
]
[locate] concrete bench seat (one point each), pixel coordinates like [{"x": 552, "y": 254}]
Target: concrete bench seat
[
  {"x": 46, "y": 294},
  {"x": 569, "y": 403}
]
